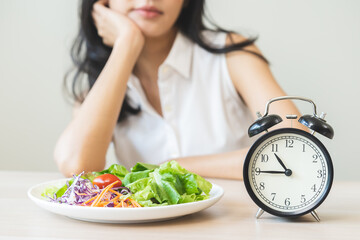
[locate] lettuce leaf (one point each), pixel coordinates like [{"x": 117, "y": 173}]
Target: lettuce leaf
[
  {"x": 143, "y": 167},
  {"x": 63, "y": 189},
  {"x": 134, "y": 176},
  {"x": 166, "y": 185},
  {"x": 115, "y": 169},
  {"x": 49, "y": 191}
]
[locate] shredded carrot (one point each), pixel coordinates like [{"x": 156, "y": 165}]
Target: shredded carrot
[
  {"x": 133, "y": 202},
  {"x": 89, "y": 200},
  {"x": 97, "y": 200},
  {"x": 117, "y": 193},
  {"x": 102, "y": 204},
  {"x": 104, "y": 198},
  {"x": 115, "y": 198}
]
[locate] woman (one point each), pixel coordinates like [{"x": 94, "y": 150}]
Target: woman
[{"x": 161, "y": 87}]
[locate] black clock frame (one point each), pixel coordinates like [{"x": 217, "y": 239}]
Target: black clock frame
[{"x": 312, "y": 206}]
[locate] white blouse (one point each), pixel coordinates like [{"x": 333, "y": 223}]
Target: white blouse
[{"x": 202, "y": 111}]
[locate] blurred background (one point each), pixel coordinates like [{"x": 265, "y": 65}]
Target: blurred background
[{"x": 313, "y": 47}]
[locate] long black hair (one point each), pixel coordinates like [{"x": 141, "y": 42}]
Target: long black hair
[{"x": 89, "y": 54}]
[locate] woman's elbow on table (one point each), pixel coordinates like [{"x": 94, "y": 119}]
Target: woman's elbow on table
[{"x": 74, "y": 162}]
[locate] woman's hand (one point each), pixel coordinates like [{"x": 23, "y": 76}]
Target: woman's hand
[{"x": 112, "y": 26}]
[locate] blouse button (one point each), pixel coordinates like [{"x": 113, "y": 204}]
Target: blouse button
[
  {"x": 167, "y": 108},
  {"x": 165, "y": 69},
  {"x": 174, "y": 155}
]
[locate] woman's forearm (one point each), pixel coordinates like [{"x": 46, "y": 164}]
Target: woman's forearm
[
  {"x": 222, "y": 165},
  {"x": 84, "y": 143}
]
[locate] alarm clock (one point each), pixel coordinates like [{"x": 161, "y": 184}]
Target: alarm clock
[{"x": 288, "y": 172}]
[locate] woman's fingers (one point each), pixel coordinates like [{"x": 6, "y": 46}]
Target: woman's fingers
[
  {"x": 111, "y": 25},
  {"x": 105, "y": 3},
  {"x": 100, "y": 7},
  {"x": 98, "y": 14},
  {"x": 100, "y": 11},
  {"x": 95, "y": 18}
]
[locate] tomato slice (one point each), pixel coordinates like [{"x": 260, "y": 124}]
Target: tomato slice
[{"x": 103, "y": 180}]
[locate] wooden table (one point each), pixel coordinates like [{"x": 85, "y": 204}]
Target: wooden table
[{"x": 231, "y": 218}]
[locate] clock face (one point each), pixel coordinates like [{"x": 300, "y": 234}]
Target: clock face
[{"x": 288, "y": 172}]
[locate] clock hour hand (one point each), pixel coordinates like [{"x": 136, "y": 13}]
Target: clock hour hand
[
  {"x": 288, "y": 172},
  {"x": 281, "y": 162}
]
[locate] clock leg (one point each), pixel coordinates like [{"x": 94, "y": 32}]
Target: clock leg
[
  {"x": 259, "y": 213},
  {"x": 314, "y": 214}
]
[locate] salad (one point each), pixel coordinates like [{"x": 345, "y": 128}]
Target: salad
[{"x": 146, "y": 185}]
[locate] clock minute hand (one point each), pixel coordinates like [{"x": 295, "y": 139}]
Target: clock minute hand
[
  {"x": 281, "y": 162},
  {"x": 273, "y": 172}
]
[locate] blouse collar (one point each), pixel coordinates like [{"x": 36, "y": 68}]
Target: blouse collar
[{"x": 180, "y": 56}]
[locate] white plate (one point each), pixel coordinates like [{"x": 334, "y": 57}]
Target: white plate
[{"x": 121, "y": 215}]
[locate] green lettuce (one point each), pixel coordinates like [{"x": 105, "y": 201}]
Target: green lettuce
[
  {"x": 49, "y": 191},
  {"x": 115, "y": 169},
  {"x": 166, "y": 185},
  {"x": 134, "y": 176},
  {"x": 143, "y": 167},
  {"x": 63, "y": 189}
]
